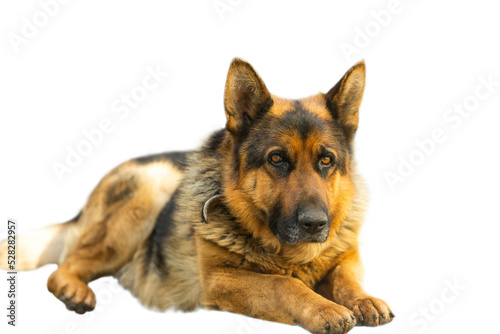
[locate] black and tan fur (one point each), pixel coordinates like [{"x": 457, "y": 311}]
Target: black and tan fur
[{"x": 262, "y": 220}]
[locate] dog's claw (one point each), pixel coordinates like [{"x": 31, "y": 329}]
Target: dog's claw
[{"x": 80, "y": 308}]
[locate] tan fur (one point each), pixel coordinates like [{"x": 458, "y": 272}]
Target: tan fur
[{"x": 36, "y": 248}]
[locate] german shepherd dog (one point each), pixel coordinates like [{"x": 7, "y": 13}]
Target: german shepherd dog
[{"x": 262, "y": 220}]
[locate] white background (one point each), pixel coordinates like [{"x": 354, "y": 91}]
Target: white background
[{"x": 439, "y": 227}]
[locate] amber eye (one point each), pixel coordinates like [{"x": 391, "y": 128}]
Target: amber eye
[
  {"x": 276, "y": 158},
  {"x": 326, "y": 160}
]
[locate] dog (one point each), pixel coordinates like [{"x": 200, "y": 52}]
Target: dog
[{"x": 262, "y": 220}]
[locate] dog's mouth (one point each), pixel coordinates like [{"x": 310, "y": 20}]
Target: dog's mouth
[
  {"x": 289, "y": 232},
  {"x": 295, "y": 237}
]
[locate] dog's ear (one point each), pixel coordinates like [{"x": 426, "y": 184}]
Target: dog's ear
[
  {"x": 245, "y": 96},
  {"x": 344, "y": 99}
]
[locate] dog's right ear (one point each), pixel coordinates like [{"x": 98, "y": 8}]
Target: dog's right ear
[{"x": 245, "y": 97}]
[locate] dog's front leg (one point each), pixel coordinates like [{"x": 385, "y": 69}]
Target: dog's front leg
[
  {"x": 275, "y": 298},
  {"x": 270, "y": 297},
  {"x": 343, "y": 286}
]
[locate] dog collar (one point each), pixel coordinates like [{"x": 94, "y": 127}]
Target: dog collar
[{"x": 208, "y": 205}]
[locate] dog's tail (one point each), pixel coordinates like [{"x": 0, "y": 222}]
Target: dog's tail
[{"x": 35, "y": 248}]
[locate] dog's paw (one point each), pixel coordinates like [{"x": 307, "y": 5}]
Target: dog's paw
[
  {"x": 370, "y": 311},
  {"x": 329, "y": 319},
  {"x": 72, "y": 291}
]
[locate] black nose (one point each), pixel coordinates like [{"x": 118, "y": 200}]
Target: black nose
[{"x": 312, "y": 220}]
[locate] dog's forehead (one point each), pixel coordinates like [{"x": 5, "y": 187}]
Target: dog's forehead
[
  {"x": 315, "y": 105},
  {"x": 299, "y": 120}
]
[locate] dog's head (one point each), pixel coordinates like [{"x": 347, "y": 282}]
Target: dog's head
[{"x": 287, "y": 177}]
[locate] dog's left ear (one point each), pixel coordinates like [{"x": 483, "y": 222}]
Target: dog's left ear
[
  {"x": 344, "y": 99},
  {"x": 245, "y": 96}
]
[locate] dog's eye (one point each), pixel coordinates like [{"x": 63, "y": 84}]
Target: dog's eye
[
  {"x": 276, "y": 159},
  {"x": 326, "y": 161}
]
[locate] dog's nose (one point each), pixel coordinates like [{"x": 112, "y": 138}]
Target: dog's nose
[{"x": 312, "y": 220}]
